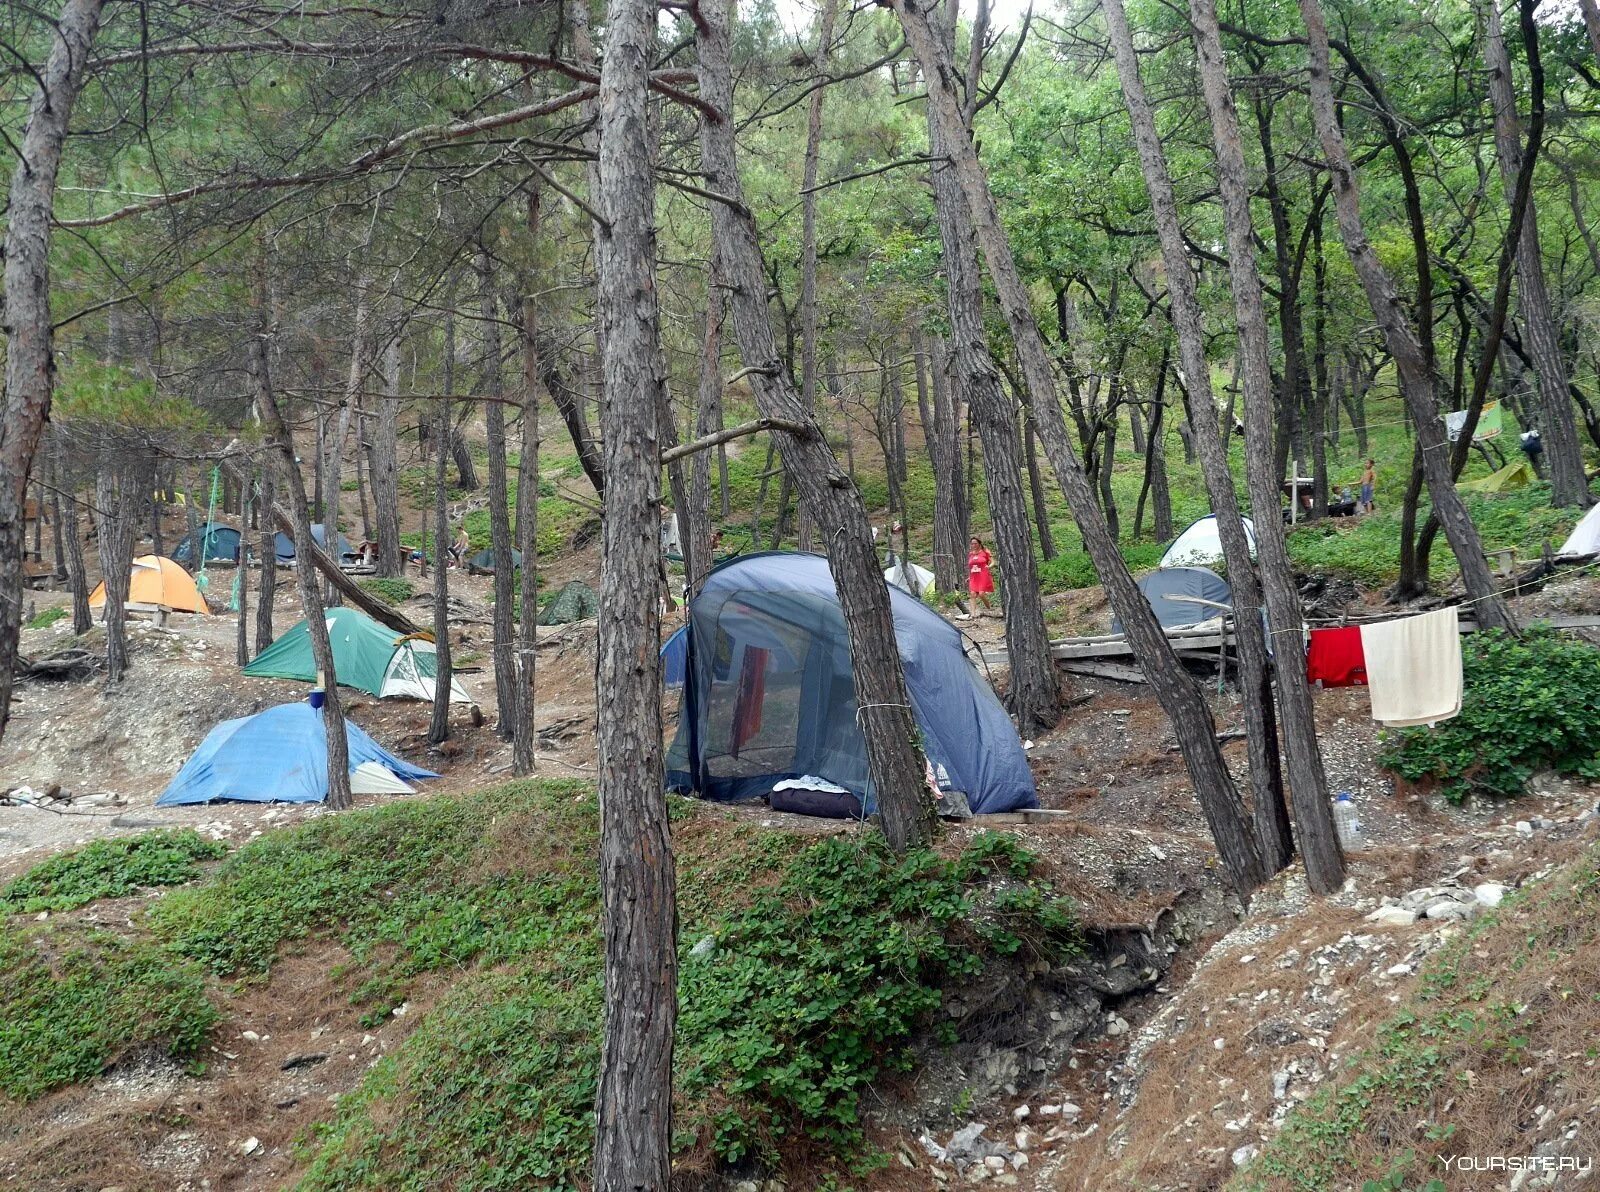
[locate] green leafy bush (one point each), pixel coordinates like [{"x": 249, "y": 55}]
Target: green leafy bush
[
  {"x": 1529, "y": 704},
  {"x": 110, "y": 869},
  {"x": 816, "y": 987},
  {"x": 389, "y": 590},
  {"x": 73, "y": 1002},
  {"x": 49, "y": 617},
  {"x": 1072, "y": 568}
]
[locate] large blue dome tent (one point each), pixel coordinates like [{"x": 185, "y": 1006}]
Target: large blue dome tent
[
  {"x": 768, "y": 694},
  {"x": 283, "y": 545}
]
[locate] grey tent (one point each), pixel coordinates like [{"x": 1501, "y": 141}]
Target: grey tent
[
  {"x": 769, "y": 703},
  {"x": 283, "y": 545},
  {"x": 575, "y": 602},
  {"x": 1176, "y": 592},
  {"x": 212, "y": 542}
]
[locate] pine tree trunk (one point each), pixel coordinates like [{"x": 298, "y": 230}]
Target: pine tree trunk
[
  {"x": 708, "y": 404},
  {"x": 504, "y": 649},
  {"x": 808, "y": 233},
  {"x": 883, "y": 704},
  {"x": 241, "y": 648},
  {"x": 72, "y": 543},
  {"x": 439, "y": 721},
  {"x": 25, "y": 316},
  {"x": 1308, "y": 784},
  {"x": 114, "y": 502},
  {"x": 1041, "y": 508},
  {"x": 1591, "y": 23},
  {"x": 269, "y": 558},
  {"x": 633, "y": 1105},
  {"x": 1416, "y": 377},
  {"x": 1289, "y": 327},
  {"x": 942, "y": 432},
  {"x": 383, "y": 466},
  {"x": 525, "y": 742},
  {"x": 1563, "y": 453},
  {"x": 1270, "y": 816},
  {"x": 1033, "y": 693},
  {"x": 1191, "y": 719},
  {"x": 280, "y": 444}
]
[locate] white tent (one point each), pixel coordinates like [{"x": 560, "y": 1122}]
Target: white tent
[
  {"x": 909, "y": 577},
  {"x": 374, "y": 778},
  {"x": 1201, "y": 546},
  {"x": 411, "y": 674},
  {"x": 1585, "y": 537}
]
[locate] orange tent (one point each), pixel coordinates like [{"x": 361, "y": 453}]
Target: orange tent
[{"x": 158, "y": 581}]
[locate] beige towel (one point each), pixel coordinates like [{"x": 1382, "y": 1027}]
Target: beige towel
[{"x": 1414, "y": 668}]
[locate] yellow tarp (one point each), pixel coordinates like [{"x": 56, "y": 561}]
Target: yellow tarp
[
  {"x": 158, "y": 581},
  {"x": 1511, "y": 476}
]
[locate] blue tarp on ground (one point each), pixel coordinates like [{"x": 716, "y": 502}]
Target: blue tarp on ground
[
  {"x": 283, "y": 545},
  {"x": 769, "y": 693},
  {"x": 220, "y": 542},
  {"x": 280, "y": 755}
]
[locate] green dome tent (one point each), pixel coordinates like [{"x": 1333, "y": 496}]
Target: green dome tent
[
  {"x": 575, "y": 602},
  {"x": 366, "y": 656},
  {"x": 484, "y": 560},
  {"x": 1514, "y": 475}
]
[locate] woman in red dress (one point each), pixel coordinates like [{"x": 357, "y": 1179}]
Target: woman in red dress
[{"x": 979, "y": 580}]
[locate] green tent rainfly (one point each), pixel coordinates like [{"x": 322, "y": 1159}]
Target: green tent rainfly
[
  {"x": 575, "y": 602},
  {"x": 366, "y": 656}
]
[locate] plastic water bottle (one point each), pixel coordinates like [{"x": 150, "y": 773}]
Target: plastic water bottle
[{"x": 1347, "y": 822}]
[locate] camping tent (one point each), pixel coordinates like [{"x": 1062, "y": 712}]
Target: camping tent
[
  {"x": 769, "y": 696},
  {"x": 1201, "y": 546},
  {"x": 281, "y": 755},
  {"x": 158, "y": 581},
  {"x": 675, "y": 658},
  {"x": 1585, "y": 537},
  {"x": 484, "y": 560},
  {"x": 283, "y": 545},
  {"x": 908, "y": 576},
  {"x": 1514, "y": 475},
  {"x": 366, "y": 656},
  {"x": 575, "y": 602},
  {"x": 210, "y": 542},
  {"x": 1175, "y": 592}
]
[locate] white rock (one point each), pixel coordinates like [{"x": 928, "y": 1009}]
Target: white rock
[
  {"x": 1219, "y": 1044},
  {"x": 1020, "y": 1113},
  {"x": 994, "y": 1163},
  {"x": 1116, "y": 1025},
  {"x": 935, "y": 1151},
  {"x": 1280, "y": 1085},
  {"x": 1448, "y": 909},
  {"x": 1049, "y": 1110},
  {"x": 1069, "y": 1110},
  {"x": 1524, "y": 828},
  {"x": 1399, "y": 970},
  {"x": 1019, "y": 1161},
  {"x": 250, "y": 1145},
  {"x": 1489, "y": 894},
  {"x": 1393, "y": 916},
  {"x": 1023, "y": 1140},
  {"x": 1244, "y": 1154},
  {"x": 1247, "y": 958},
  {"x": 250, "y": 1037}
]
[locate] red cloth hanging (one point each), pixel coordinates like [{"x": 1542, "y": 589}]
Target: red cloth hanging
[
  {"x": 1335, "y": 657},
  {"x": 752, "y": 691}
]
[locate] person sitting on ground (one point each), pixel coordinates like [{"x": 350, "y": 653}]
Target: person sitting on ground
[
  {"x": 1369, "y": 482},
  {"x": 980, "y": 581}
]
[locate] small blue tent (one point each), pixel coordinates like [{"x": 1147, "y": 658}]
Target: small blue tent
[
  {"x": 211, "y": 542},
  {"x": 280, "y": 755},
  {"x": 769, "y": 695},
  {"x": 283, "y": 545}
]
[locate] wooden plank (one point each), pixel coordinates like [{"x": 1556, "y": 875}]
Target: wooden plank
[{"x": 1104, "y": 670}]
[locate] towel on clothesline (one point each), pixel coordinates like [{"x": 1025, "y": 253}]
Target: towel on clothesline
[
  {"x": 1335, "y": 658},
  {"x": 1414, "y": 668}
]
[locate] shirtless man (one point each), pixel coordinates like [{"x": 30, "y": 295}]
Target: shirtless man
[{"x": 1369, "y": 480}]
